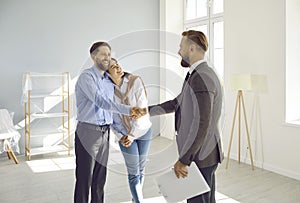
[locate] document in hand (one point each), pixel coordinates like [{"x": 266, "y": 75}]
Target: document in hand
[{"x": 176, "y": 190}]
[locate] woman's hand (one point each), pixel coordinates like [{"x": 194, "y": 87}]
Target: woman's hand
[{"x": 126, "y": 140}]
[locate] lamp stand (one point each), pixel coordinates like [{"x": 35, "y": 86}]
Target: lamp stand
[{"x": 239, "y": 99}]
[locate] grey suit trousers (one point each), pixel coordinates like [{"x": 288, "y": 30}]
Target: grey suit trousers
[
  {"x": 91, "y": 150},
  {"x": 209, "y": 175}
]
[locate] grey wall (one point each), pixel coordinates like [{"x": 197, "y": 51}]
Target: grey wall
[{"x": 55, "y": 36}]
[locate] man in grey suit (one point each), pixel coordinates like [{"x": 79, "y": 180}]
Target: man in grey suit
[{"x": 197, "y": 113}]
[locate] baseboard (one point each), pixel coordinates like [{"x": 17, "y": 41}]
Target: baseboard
[
  {"x": 267, "y": 167},
  {"x": 283, "y": 172}
]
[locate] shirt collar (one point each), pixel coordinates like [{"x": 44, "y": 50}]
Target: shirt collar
[
  {"x": 192, "y": 68},
  {"x": 99, "y": 75},
  {"x": 125, "y": 80}
]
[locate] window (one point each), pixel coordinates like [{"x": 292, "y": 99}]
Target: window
[
  {"x": 207, "y": 16},
  {"x": 292, "y": 62}
]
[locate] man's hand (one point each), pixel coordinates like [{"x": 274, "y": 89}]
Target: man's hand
[
  {"x": 126, "y": 140},
  {"x": 180, "y": 170},
  {"x": 137, "y": 112}
]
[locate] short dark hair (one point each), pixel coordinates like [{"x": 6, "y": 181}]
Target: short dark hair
[
  {"x": 94, "y": 47},
  {"x": 198, "y": 38}
]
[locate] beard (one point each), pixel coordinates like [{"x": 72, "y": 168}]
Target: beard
[
  {"x": 185, "y": 62},
  {"x": 101, "y": 66}
]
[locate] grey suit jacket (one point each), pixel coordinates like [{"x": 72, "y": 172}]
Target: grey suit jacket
[{"x": 197, "y": 113}]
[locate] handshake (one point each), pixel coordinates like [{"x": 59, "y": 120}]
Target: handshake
[{"x": 137, "y": 112}]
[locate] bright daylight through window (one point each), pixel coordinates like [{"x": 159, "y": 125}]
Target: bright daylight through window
[{"x": 207, "y": 16}]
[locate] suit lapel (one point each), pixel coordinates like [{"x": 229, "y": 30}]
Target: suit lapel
[{"x": 186, "y": 82}]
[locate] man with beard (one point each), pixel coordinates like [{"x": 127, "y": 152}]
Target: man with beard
[
  {"x": 94, "y": 99},
  {"x": 197, "y": 113}
]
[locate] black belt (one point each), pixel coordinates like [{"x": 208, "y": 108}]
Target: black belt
[{"x": 101, "y": 128}]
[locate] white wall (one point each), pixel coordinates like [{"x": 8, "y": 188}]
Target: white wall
[
  {"x": 55, "y": 36},
  {"x": 171, "y": 73},
  {"x": 255, "y": 43}
]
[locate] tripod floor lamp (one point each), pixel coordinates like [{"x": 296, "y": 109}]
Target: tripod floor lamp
[{"x": 240, "y": 83}]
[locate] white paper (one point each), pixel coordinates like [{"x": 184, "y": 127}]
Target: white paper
[{"x": 176, "y": 190}]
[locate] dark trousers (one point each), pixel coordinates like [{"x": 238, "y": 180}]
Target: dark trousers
[
  {"x": 209, "y": 175},
  {"x": 91, "y": 150}
]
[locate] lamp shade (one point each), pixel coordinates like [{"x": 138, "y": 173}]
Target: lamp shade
[{"x": 249, "y": 82}]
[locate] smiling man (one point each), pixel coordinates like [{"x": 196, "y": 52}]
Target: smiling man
[{"x": 94, "y": 99}]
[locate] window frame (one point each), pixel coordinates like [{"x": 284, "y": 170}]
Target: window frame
[{"x": 208, "y": 20}]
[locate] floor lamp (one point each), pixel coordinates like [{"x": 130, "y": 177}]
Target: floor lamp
[{"x": 240, "y": 83}]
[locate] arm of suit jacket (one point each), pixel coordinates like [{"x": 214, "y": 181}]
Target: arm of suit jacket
[
  {"x": 202, "y": 102},
  {"x": 163, "y": 108}
]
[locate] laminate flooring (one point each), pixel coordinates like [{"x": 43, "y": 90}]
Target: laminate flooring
[{"x": 50, "y": 178}]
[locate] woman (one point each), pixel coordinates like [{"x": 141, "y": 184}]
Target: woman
[{"x": 134, "y": 134}]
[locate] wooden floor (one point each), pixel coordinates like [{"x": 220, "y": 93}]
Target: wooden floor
[
  {"x": 50, "y": 178},
  {"x": 244, "y": 185}
]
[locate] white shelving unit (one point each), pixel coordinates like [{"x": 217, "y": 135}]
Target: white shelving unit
[{"x": 59, "y": 136}]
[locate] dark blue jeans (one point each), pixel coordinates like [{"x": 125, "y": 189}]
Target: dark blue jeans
[{"x": 135, "y": 159}]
